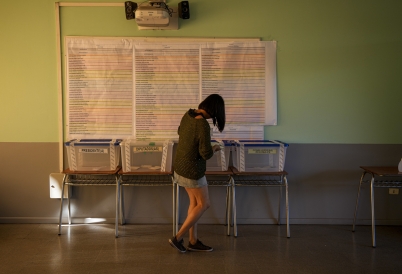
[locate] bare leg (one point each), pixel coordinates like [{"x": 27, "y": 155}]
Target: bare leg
[
  {"x": 199, "y": 203},
  {"x": 192, "y": 230}
]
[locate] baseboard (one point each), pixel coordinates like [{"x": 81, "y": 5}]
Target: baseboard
[
  {"x": 45, "y": 220},
  {"x": 29, "y": 220}
]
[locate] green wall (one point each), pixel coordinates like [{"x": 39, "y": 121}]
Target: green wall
[{"x": 338, "y": 62}]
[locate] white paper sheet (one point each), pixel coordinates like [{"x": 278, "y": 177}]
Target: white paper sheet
[{"x": 121, "y": 88}]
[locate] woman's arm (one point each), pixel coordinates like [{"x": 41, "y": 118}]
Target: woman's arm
[{"x": 204, "y": 147}]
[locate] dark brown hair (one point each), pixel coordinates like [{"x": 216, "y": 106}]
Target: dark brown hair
[{"x": 214, "y": 105}]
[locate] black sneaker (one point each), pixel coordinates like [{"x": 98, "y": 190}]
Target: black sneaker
[
  {"x": 198, "y": 246},
  {"x": 176, "y": 244}
]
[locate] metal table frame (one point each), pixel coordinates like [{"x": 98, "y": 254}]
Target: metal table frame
[
  {"x": 89, "y": 178},
  {"x": 147, "y": 179},
  {"x": 384, "y": 177},
  {"x": 261, "y": 179},
  {"x": 225, "y": 180}
]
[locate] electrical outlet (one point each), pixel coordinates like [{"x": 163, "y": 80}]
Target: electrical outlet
[
  {"x": 393, "y": 191},
  {"x": 55, "y": 183}
]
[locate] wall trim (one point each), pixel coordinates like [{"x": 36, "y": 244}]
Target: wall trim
[{"x": 214, "y": 221}]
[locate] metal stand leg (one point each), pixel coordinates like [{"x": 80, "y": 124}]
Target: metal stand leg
[
  {"x": 117, "y": 207},
  {"x": 226, "y": 208},
  {"x": 69, "y": 204},
  {"x": 122, "y": 214},
  {"x": 357, "y": 201},
  {"x": 61, "y": 202},
  {"x": 234, "y": 210},
  {"x": 177, "y": 209},
  {"x": 279, "y": 206},
  {"x": 229, "y": 205},
  {"x": 174, "y": 205},
  {"x": 372, "y": 209},
  {"x": 287, "y": 207}
]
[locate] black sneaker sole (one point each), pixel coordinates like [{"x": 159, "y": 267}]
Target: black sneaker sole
[
  {"x": 173, "y": 245},
  {"x": 199, "y": 250}
]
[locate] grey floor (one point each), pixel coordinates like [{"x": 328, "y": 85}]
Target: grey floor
[{"x": 36, "y": 248}]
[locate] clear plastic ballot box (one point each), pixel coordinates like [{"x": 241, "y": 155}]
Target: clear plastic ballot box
[
  {"x": 146, "y": 156},
  {"x": 259, "y": 155},
  {"x": 220, "y": 159},
  {"x": 93, "y": 154}
]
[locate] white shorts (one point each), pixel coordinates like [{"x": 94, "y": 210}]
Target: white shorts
[{"x": 190, "y": 183}]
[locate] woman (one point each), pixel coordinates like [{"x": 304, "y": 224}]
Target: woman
[{"x": 193, "y": 150}]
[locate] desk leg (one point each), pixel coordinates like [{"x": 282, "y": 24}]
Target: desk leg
[
  {"x": 372, "y": 209},
  {"x": 61, "y": 202},
  {"x": 279, "y": 206},
  {"x": 229, "y": 205},
  {"x": 177, "y": 209},
  {"x": 234, "y": 209},
  {"x": 226, "y": 206},
  {"x": 287, "y": 207},
  {"x": 69, "y": 204},
  {"x": 174, "y": 205},
  {"x": 117, "y": 206},
  {"x": 227, "y": 211},
  {"x": 357, "y": 201},
  {"x": 122, "y": 214}
]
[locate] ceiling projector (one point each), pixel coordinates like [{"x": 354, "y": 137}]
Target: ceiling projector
[
  {"x": 152, "y": 16},
  {"x": 154, "y": 13}
]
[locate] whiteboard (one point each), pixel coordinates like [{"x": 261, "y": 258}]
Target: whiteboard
[{"x": 141, "y": 87}]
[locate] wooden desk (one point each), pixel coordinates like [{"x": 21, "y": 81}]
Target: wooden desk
[
  {"x": 145, "y": 178},
  {"x": 261, "y": 179},
  {"x": 379, "y": 177},
  {"x": 89, "y": 178},
  {"x": 214, "y": 178}
]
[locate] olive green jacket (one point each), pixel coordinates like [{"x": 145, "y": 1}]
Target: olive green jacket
[{"x": 194, "y": 147}]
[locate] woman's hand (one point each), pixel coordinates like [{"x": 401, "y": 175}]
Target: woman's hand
[{"x": 216, "y": 148}]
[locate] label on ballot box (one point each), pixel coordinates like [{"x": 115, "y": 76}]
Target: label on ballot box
[
  {"x": 259, "y": 155},
  {"x": 261, "y": 151},
  {"x": 93, "y": 150},
  {"x": 148, "y": 149}
]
